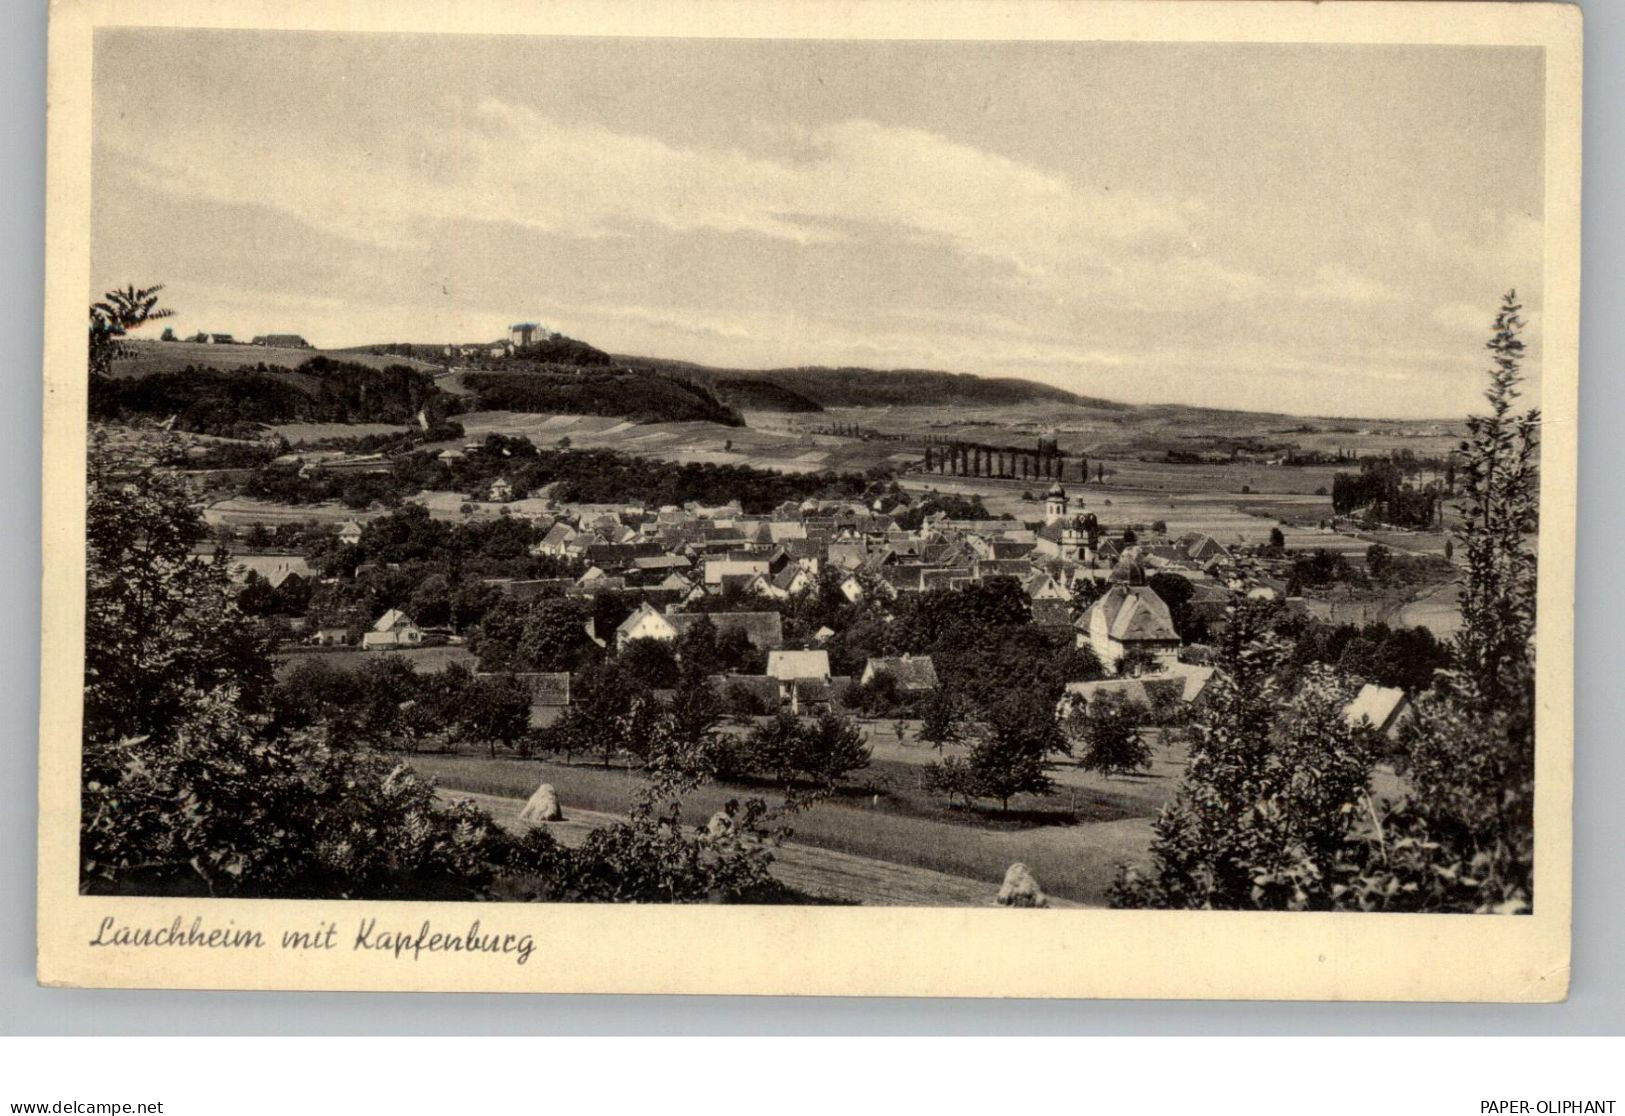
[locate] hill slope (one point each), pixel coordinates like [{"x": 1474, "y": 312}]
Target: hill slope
[{"x": 873, "y": 387}]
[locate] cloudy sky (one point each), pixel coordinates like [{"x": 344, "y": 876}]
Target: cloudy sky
[{"x": 1318, "y": 230}]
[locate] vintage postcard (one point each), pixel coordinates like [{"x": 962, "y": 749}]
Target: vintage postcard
[{"x": 996, "y": 499}]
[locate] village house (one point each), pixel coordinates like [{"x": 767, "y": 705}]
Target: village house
[
  {"x": 1128, "y": 618},
  {"x": 803, "y": 677},
  {"x": 793, "y": 580},
  {"x": 501, "y": 491},
  {"x": 753, "y": 584},
  {"x": 718, "y": 568},
  {"x": 1042, "y": 587},
  {"x": 557, "y": 540},
  {"x": 914, "y": 674},
  {"x": 1385, "y": 709},
  {"x": 646, "y": 623},
  {"x": 393, "y": 629},
  {"x": 274, "y": 569},
  {"x": 350, "y": 533},
  {"x": 1179, "y": 684}
]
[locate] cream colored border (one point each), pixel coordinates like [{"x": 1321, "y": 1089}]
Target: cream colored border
[{"x": 823, "y": 951}]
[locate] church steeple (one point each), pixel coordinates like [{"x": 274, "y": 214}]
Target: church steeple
[{"x": 1055, "y": 504}]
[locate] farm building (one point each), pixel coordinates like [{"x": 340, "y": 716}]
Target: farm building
[
  {"x": 914, "y": 674},
  {"x": 1182, "y": 684}
]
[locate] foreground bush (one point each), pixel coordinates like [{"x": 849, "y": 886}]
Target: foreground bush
[{"x": 190, "y": 784}]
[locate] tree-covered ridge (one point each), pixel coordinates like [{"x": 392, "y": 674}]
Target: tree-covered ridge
[
  {"x": 877, "y": 387},
  {"x": 576, "y": 476},
  {"x": 207, "y": 400},
  {"x": 640, "y": 396}
]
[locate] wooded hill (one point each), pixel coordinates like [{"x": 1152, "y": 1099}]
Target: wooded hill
[
  {"x": 211, "y": 401},
  {"x": 868, "y": 387}
]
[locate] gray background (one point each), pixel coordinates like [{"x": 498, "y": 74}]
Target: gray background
[{"x": 1597, "y": 1000}]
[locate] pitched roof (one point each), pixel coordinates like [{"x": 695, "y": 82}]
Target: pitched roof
[
  {"x": 640, "y": 614},
  {"x": 391, "y": 620},
  {"x": 912, "y": 672},
  {"x": 718, "y": 568},
  {"x": 787, "y": 577},
  {"x": 765, "y": 630},
  {"x": 1018, "y": 568},
  {"x": 274, "y": 568},
  {"x": 1381, "y": 705},
  {"x": 1008, "y": 548},
  {"x": 621, "y": 555},
  {"x": 742, "y": 582},
  {"x": 945, "y": 578},
  {"x": 1148, "y": 692},
  {"x": 662, "y": 562},
  {"x": 786, "y": 665},
  {"x": 1135, "y": 613},
  {"x": 804, "y": 548}
]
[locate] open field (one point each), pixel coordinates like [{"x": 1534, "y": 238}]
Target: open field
[
  {"x": 821, "y": 873},
  {"x": 1076, "y": 861},
  {"x": 687, "y": 442},
  {"x": 1217, "y": 514},
  {"x": 1122, "y": 431},
  {"x": 243, "y": 511},
  {"x": 1075, "y": 858},
  {"x": 1439, "y": 611},
  {"x": 147, "y": 357}
]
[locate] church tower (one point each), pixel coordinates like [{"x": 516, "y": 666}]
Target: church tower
[{"x": 1054, "y": 504}]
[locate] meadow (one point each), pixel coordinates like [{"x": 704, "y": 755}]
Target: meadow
[
  {"x": 147, "y": 357},
  {"x": 1073, "y": 840}
]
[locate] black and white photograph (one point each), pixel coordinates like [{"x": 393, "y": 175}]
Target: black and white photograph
[{"x": 806, "y": 473}]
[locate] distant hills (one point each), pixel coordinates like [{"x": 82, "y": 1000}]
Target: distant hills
[
  {"x": 565, "y": 375},
  {"x": 557, "y": 349},
  {"x": 867, "y": 387}
]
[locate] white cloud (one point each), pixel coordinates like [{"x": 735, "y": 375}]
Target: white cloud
[
  {"x": 512, "y": 164},
  {"x": 852, "y": 241}
]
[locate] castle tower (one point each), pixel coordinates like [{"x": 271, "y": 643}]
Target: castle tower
[
  {"x": 521, "y": 335},
  {"x": 1055, "y": 504}
]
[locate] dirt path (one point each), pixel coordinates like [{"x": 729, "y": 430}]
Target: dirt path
[{"x": 823, "y": 872}]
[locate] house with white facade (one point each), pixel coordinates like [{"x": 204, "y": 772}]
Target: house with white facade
[
  {"x": 1129, "y": 618},
  {"x": 393, "y": 629},
  {"x": 647, "y": 622}
]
